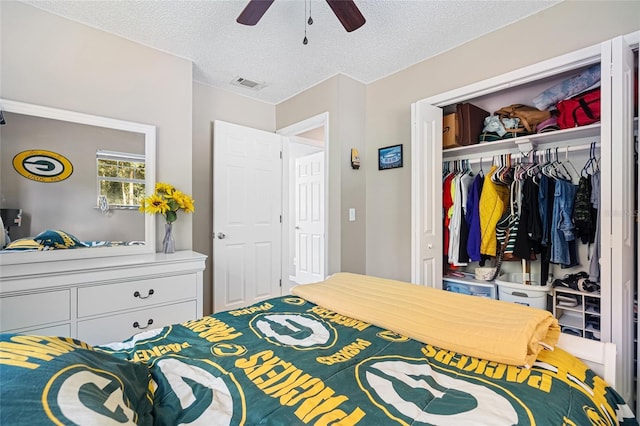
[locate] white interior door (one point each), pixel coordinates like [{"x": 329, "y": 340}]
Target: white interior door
[
  {"x": 309, "y": 218},
  {"x": 426, "y": 209},
  {"x": 247, "y": 188}
]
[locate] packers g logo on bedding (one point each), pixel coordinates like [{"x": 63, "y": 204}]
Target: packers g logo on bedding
[
  {"x": 228, "y": 349},
  {"x": 411, "y": 392},
  {"x": 65, "y": 397},
  {"x": 42, "y": 166},
  {"x": 199, "y": 392},
  {"x": 295, "y": 330},
  {"x": 392, "y": 336}
]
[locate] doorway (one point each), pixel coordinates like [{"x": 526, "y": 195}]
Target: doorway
[
  {"x": 305, "y": 150},
  {"x": 255, "y": 214}
]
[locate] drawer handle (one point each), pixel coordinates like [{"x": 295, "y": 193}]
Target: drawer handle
[
  {"x": 137, "y": 325},
  {"x": 137, "y": 294}
]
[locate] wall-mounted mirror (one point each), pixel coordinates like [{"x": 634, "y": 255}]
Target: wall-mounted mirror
[{"x": 76, "y": 173}]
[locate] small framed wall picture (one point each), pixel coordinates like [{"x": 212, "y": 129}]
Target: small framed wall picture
[{"x": 390, "y": 157}]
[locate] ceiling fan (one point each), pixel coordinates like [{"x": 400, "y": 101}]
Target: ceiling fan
[{"x": 345, "y": 10}]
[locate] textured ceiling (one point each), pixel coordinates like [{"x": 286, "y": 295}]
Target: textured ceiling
[{"x": 397, "y": 34}]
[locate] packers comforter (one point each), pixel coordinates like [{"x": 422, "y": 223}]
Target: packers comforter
[{"x": 288, "y": 361}]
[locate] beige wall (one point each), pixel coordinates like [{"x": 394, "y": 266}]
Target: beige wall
[
  {"x": 568, "y": 26},
  {"x": 210, "y": 104},
  {"x": 344, "y": 99},
  {"x": 48, "y": 60}
]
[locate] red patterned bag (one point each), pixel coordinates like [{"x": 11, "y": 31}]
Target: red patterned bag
[{"x": 580, "y": 110}]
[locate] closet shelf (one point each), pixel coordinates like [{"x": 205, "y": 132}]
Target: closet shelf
[{"x": 558, "y": 139}]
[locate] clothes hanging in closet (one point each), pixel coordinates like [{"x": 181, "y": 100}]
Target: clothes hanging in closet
[
  {"x": 493, "y": 201},
  {"x": 458, "y": 231},
  {"x": 530, "y": 229},
  {"x": 594, "y": 265},
  {"x": 545, "y": 200},
  {"x": 473, "y": 218},
  {"x": 447, "y": 203}
]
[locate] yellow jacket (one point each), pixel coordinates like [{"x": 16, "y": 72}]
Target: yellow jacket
[{"x": 493, "y": 202}]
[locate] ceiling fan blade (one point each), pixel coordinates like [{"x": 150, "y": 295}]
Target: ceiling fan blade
[
  {"x": 348, "y": 14},
  {"x": 253, "y": 11}
]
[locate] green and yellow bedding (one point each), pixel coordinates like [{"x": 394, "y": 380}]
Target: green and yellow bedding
[
  {"x": 288, "y": 361},
  {"x": 54, "y": 239}
]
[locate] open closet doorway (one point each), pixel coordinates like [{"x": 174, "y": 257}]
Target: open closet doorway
[{"x": 305, "y": 150}]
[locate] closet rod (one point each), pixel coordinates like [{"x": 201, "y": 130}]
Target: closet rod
[{"x": 476, "y": 158}]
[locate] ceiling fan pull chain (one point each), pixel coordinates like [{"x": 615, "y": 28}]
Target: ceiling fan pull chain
[
  {"x": 305, "y": 41},
  {"x": 310, "y": 20}
]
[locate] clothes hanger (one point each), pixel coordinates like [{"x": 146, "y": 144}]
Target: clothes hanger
[
  {"x": 506, "y": 175},
  {"x": 497, "y": 164}
]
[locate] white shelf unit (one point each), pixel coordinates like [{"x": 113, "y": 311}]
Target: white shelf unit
[{"x": 584, "y": 318}]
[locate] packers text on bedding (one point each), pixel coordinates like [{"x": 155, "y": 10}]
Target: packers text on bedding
[
  {"x": 146, "y": 354},
  {"x": 491, "y": 369},
  {"x": 212, "y": 329},
  {"x": 339, "y": 319},
  {"x": 251, "y": 309},
  {"x": 346, "y": 353},
  {"x": 281, "y": 379},
  {"x": 28, "y": 351}
]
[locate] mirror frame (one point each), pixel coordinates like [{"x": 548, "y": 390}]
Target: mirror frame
[{"x": 149, "y": 133}]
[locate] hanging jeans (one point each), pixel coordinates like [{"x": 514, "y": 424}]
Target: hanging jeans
[
  {"x": 562, "y": 223},
  {"x": 543, "y": 202}
]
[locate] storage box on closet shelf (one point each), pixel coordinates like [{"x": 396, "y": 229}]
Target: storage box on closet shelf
[
  {"x": 511, "y": 288},
  {"x": 484, "y": 274}
]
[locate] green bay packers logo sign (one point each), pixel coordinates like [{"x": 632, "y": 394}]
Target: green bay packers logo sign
[{"x": 42, "y": 166}]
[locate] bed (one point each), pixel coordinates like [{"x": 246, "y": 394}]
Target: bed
[
  {"x": 55, "y": 239},
  {"x": 350, "y": 350}
]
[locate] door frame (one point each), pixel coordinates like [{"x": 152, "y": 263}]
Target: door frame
[{"x": 320, "y": 120}]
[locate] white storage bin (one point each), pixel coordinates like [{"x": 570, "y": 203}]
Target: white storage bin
[
  {"x": 470, "y": 286},
  {"x": 510, "y": 290}
]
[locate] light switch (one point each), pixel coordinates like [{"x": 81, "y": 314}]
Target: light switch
[{"x": 352, "y": 214}]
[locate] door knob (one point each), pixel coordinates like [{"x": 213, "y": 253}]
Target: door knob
[{"x": 221, "y": 236}]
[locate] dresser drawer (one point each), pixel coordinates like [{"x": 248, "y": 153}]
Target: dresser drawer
[
  {"x": 62, "y": 330},
  {"x": 119, "y": 327},
  {"x": 28, "y": 310},
  {"x": 137, "y": 294}
]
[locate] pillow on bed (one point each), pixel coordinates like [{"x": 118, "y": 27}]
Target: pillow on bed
[
  {"x": 55, "y": 380},
  {"x": 58, "y": 239},
  {"x": 24, "y": 244}
]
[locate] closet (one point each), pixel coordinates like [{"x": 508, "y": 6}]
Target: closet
[{"x": 614, "y": 135}]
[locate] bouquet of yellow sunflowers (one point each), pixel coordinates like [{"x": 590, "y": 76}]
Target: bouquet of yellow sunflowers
[{"x": 167, "y": 201}]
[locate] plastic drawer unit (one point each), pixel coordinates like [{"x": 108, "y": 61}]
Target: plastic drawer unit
[{"x": 469, "y": 286}]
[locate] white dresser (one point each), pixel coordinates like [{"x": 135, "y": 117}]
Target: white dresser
[{"x": 101, "y": 300}]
